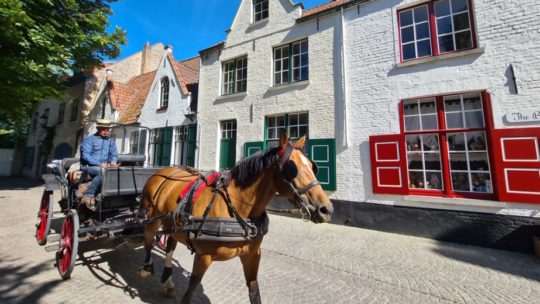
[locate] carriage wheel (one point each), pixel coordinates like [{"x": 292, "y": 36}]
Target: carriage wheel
[
  {"x": 69, "y": 243},
  {"x": 44, "y": 217},
  {"x": 161, "y": 240}
]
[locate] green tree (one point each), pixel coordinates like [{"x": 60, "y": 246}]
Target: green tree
[{"x": 41, "y": 41}]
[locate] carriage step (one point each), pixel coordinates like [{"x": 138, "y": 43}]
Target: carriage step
[
  {"x": 53, "y": 238},
  {"x": 51, "y": 248}
]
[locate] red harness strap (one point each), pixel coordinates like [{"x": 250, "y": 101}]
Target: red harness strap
[{"x": 200, "y": 189}]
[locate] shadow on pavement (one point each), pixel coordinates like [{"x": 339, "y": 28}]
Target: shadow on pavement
[
  {"x": 16, "y": 276},
  {"x": 518, "y": 264},
  {"x": 118, "y": 267},
  {"x": 18, "y": 183}
]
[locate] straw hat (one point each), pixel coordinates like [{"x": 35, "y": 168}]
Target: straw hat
[{"x": 103, "y": 123}]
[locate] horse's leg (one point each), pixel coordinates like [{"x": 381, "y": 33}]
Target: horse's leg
[
  {"x": 166, "y": 277},
  {"x": 200, "y": 264},
  {"x": 251, "y": 262},
  {"x": 149, "y": 233}
]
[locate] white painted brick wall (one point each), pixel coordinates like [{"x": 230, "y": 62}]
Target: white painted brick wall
[
  {"x": 257, "y": 42},
  {"x": 508, "y": 30}
]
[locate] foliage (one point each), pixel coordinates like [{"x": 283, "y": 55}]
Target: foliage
[{"x": 43, "y": 40}]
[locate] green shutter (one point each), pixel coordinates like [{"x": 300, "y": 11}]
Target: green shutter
[
  {"x": 191, "y": 142},
  {"x": 166, "y": 148},
  {"x": 323, "y": 153},
  {"x": 227, "y": 155},
  {"x": 252, "y": 147}
]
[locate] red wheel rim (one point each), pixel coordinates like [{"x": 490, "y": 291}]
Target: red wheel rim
[
  {"x": 43, "y": 215},
  {"x": 66, "y": 251}
]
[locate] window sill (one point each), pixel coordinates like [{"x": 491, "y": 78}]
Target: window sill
[
  {"x": 454, "y": 201},
  {"x": 470, "y": 52},
  {"x": 230, "y": 96},
  {"x": 258, "y": 23},
  {"x": 279, "y": 87}
]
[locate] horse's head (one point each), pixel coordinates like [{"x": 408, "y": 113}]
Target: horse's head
[{"x": 297, "y": 182}]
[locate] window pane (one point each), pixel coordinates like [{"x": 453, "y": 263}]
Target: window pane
[
  {"x": 296, "y": 75},
  {"x": 444, "y": 25},
  {"x": 413, "y": 143},
  {"x": 303, "y": 119},
  {"x": 293, "y": 132},
  {"x": 415, "y": 161},
  {"x": 476, "y": 141},
  {"x": 410, "y": 107},
  {"x": 429, "y": 122},
  {"x": 474, "y": 119},
  {"x": 424, "y": 48},
  {"x": 460, "y": 181},
  {"x": 277, "y": 53},
  {"x": 463, "y": 40},
  {"x": 293, "y": 119},
  {"x": 416, "y": 180},
  {"x": 472, "y": 103},
  {"x": 277, "y": 78},
  {"x": 422, "y": 30},
  {"x": 405, "y": 18},
  {"x": 459, "y": 6},
  {"x": 304, "y": 130},
  {"x": 456, "y": 142},
  {"x": 280, "y": 120},
  {"x": 304, "y": 73},
  {"x": 478, "y": 161},
  {"x": 454, "y": 121},
  {"x": 296, "y": 48},
  {"x": 285, "y": 77},
  {"x": 461, "y": 21},
  {"x": 433, "y": 161},
  {"x": 412, "y": 123},
  {"x": 434, "y": 180},
  {"x": 420, "y": 14},
  {"x": 431, "y": 142},
  {"x": 427, "y": 107},
  {"x": 451, "y": 105},
  {"x": 442, "y": 8},
  {"x": 407, "y": 34},
  {"x": 481, "y": 182},
  {"x": 409, "y": 51},
  {"x": 446, "y": 43},
  {"x": 458, "y": 161}
]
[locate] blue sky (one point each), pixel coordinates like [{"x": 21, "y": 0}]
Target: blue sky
[{"x": 188, "y": 25}]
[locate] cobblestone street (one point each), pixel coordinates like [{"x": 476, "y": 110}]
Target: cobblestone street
[{"x": 301, "y": 263}]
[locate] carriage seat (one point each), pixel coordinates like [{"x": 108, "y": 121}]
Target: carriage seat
[{"x": 131, "y": 159}]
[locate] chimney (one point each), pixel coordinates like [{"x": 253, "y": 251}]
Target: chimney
[
  {"x": 146, "y": 60},
  {"x": 109, "y": 74},
  {"x": 169, "y": 49}
]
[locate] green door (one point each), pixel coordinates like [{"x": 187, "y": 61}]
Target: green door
[
  {"x": 191, "y": 142},
  {"x": 227, "y": 157},
  {"x": 163, "y": 147},
  {"x": 228, "y": 153}
]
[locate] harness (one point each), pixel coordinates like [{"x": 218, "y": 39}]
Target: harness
[{"x": 233, "y": 228}]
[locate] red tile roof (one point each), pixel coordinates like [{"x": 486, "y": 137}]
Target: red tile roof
[
  {"x": 129, "y": 98},
  {"x": 187, "y": 72},
  {"x": 323, "y": 7}
]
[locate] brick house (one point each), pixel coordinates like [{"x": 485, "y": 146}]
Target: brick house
[{"x": 421, "y": 114}]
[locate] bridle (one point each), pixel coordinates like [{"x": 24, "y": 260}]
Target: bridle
[{"x": 289, "y": 171}]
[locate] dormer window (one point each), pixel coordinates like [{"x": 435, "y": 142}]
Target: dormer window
[
  {"x": 260, "y": 10},
  {"x": 164, "y": 99}
]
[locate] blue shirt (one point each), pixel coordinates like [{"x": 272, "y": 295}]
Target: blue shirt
[{"x": 96, "y": 150}]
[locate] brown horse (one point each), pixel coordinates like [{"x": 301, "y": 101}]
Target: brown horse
[{"x": 253, "y": 182}]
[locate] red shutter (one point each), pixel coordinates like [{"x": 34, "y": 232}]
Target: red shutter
[
  {"x": 517, "y": 164},
  {"x": 387, "y": 164}
]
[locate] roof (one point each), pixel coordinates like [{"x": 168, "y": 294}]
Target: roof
[
  {"x": 129, "y": 98},
  {"x": 187, "y": 72},
  {"x": 327, "y": 8}
]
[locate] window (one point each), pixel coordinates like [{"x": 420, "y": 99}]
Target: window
[
  {"x": 447, "y": 131},
  {"x": 74, "y": 110},
  {"x": 61, "y": 113},
  {"x": 296, "y": 125},
  {"x": 291, "y": 63},
  {"x": 234, "y": 76},
  {"x": 180, "y": 142},
  {"x": 164, "y": 97},
  {"x": 260, "y": 10},
  {"x": 436, "y": 28},
  {"x": 228, "y": 129}
]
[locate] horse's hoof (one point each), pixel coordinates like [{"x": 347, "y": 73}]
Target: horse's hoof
[
  {"x": 143, "y": 273},
  {"x": 169, "y": 292}
]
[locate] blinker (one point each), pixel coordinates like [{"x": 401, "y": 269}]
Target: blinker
[{"x": 289, "y": 170}]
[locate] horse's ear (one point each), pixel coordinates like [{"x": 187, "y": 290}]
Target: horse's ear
[
  {"x": 283, "y": 140},
  {"x": 300, "y": 142}
]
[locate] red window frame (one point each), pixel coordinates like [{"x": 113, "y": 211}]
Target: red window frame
[
  {"x": 442, "y": 132},
  {"x": 433, "y": 30}
]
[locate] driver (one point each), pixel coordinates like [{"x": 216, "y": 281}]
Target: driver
[{"x": 97, "y": 151}]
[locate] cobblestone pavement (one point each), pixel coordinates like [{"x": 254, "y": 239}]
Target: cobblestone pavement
[{"x": 302, "y": 263}]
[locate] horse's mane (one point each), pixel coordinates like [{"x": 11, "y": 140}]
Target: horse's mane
[{"x": 248, "y": 170}]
